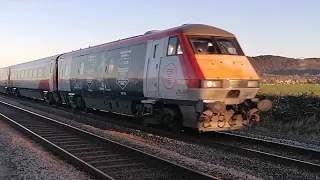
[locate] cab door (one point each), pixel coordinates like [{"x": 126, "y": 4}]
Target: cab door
[{"x": 154, "y": 59}]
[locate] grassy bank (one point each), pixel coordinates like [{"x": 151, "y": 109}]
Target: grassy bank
[
  {"x": 295, "y": 89},
  {"x": 295, "y": 113}
]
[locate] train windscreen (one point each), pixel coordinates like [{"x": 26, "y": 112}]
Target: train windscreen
[{"x": 215, "y": 45}]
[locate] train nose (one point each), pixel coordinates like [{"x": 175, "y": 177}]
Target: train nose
[{"x": 216, "y": 107}]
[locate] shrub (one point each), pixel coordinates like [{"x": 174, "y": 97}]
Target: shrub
[{"x": 292, "y": 113}]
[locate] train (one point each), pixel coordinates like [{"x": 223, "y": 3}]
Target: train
[{"x": 189, "y": 76}]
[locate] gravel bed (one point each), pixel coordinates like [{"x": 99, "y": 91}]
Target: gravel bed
[
  {"x": 21, "y": 158},
  {"x": 291, "y": 139},
  {"x": 208, "y": 160},
  {"x": 260, "y": 147}
]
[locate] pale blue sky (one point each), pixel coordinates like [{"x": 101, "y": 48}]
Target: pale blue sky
[{"x": 32, "y": 29}]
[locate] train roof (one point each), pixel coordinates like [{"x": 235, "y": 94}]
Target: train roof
[
  {"x": 195, "y": 29},
  {"x": 200, "y": 29},
  {"x": 203, "y": 29},
  {"x": 5, "y": 68},
  {"x": 34, "y": 62}
]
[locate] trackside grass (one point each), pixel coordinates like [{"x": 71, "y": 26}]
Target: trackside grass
[{"x": 295, "y": 113}]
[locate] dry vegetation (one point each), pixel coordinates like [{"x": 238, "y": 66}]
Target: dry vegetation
[
  {"x": 290, "y": 89},
  {"x": 296, "y": 114},
  {"x": 296, "y": 110}
]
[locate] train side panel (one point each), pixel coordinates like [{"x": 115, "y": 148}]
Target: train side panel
[
  {"x": 176, "y": 74},
  {"x": 4, "y": 79},
  {"x": 33, "y": 78},
  {"x": 105, "y": 79}
]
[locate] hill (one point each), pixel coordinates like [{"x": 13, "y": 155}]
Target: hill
[{"x": 283, "y": 66}]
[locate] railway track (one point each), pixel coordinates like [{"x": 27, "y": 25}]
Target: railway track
[
  {"x": 279, "y": 153},
  {"x": 101, "y": 157},
  {"x": 274, "y": 152}
]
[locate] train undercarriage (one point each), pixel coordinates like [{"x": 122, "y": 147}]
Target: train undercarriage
[{"x": 203, "y": 116}]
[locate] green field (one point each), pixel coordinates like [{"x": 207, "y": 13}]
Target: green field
[{"x": 290, "y": 89}]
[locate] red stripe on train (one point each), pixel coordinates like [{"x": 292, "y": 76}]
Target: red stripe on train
[
  {"x": 44, "y": 84},
  {"x": 190, "y": 68}
]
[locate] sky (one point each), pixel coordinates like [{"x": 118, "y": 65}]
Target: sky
[{"x": 33, "y": 29}]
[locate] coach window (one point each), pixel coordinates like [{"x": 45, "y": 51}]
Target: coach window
[
  {"x": 81, "y": 68},
  {"x": 66, "y": 71},
  {"x": 35, "y": 73},
  {"x": 174, "y": 46},
  {"x": 44, "y": 72},
  {"x": 40, "y": 71}
]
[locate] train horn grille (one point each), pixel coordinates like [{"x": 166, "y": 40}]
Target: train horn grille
[{"x": 238, "y": 83}]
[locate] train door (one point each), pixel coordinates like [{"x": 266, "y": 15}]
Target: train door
[
  {"x": 51, "y": 71},
  {"x": 7, "y": 78},
  {"x": 154, "y": 60},
  {"x": 81, "y": 78}
]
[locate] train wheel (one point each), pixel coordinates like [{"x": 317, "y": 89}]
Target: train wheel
[
  {"x": 88, "y": 110},
  {"x": 79, "y": 104},
  {"x": 172, "y": 120},
  {"x": 50, "y": 99},
  {"x": 17, "y": 93}
]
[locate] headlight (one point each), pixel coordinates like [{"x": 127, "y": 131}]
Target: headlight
[
  {"x": 253, "y": 84},
  {"x": 212, "y": 84}
]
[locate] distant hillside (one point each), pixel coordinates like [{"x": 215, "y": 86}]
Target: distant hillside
[{"x": 277, "y": 65}]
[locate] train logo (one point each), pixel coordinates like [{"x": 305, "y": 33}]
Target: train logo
[{"x": 169, "y": 76}]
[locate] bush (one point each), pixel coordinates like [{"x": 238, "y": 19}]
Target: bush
[{"x": 292, "y": 113}]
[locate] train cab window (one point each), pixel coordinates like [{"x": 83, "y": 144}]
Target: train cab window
[
  {"x": 174, "y": 46},
  {"x": 215, "y": 45}
]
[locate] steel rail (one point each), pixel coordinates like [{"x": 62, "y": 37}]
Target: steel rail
[
  {"x": 205, "y": 139},
  {"x": 99, "y": 156}
]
